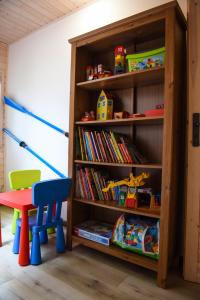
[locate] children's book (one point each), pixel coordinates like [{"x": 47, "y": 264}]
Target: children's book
[{"x": 95, "y": 231}]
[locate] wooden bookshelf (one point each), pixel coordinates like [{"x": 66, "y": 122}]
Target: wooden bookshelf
[
  {"x": 137, "y": 259},
  {"x": 126, "y": 80},
  {"x": 158, "y": 138},
  {"x": 121, "y": 122},
  {"x": 142, "y": 166},
  {"x": 148, "y": 212}
]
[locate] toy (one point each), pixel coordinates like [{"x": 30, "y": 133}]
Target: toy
[
  {"x": 158, "y": 111},
  {"x": 133, "y": 182},
  {"x": 96, "y": 72},
  {"x": 120, "y": 53},
  {"x": 137, "y": 234},
  {"x": 88, "y": 116},
  {"x": 121, "y": 115},
  {"x": 104, "y": 106},
  {"x": 146, "y": 60}
]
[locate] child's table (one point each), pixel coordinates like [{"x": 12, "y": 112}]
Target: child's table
[{"x": 21, "y": 200}]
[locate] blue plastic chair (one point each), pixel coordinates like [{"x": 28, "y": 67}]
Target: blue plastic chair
[{"x": 46, "y": 193}]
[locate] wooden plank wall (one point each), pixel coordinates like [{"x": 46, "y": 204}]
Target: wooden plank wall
[
  {"x": 3, "y": 80},
  {"x": 192, "y": 223}
]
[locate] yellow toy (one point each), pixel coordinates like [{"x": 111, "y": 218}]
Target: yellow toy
[
  {"x": 104, "y": 106},
  {"x": 133, "y": 182}
]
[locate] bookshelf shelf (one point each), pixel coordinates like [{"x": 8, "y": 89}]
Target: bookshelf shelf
[
  {"x": 120, "y": 122},
  {"x": 142, "y": 166},
  {"x": 159, "y": 139},
  {"x": 137, "y": 259},
  {"x": 126, "y": 80},
  {"x": 148, "y": 212}
]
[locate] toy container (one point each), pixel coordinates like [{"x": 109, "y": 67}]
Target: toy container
[
  {"x": 146, "y": 60},
  {"x": 137, "y": 234}
]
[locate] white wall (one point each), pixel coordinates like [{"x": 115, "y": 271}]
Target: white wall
[{"x": 39, "y": 79}]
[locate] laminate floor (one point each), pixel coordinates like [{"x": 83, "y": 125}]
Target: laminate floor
[{"x": 82, "y": 274}]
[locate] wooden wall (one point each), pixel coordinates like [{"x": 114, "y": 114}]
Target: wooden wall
[{"x": 3, "y": 78}]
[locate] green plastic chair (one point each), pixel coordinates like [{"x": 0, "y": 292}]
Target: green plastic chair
[{"x": 18, "y": 180}]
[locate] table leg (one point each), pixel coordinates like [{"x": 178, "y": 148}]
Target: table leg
[
  {"x": 24, "y": 240},
  {"x": 0, "y": 231}
]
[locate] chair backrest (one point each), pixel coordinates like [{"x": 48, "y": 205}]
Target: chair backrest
[
  {"x": 50, "y": 193},
  {"x": 23, "y": 179}
]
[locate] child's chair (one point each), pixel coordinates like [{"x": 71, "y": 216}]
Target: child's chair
[
  {"x": 22, "y": 179},
  {"x": 46, "y": 193}
]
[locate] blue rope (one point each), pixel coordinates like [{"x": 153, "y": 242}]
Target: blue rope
[{"x": 25, "y": 146}]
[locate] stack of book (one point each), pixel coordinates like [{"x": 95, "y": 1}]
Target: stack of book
[{"x": 104, "y": 146}]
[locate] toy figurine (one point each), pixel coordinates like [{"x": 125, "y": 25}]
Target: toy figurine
[{"x": 120, "y": 53}]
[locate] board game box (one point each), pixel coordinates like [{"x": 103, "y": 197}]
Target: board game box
[{"x": 95, "y": 231}]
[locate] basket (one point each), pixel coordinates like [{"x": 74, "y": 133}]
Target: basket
[{"x": 146, "y": 60}]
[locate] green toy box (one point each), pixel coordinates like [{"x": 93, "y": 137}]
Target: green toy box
[{"x": 146, "y": 60}]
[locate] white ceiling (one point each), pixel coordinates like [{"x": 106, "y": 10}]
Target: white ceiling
[{"x": 18, "y": 18}]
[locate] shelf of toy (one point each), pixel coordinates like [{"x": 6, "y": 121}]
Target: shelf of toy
[
  {"x": 126, "y": 80},
  {"x": 131, "y": 257},
  {"x": 129, "y": 121},
  {"x": 142, "y": 211},
  {"x": 142, "y": 166}
]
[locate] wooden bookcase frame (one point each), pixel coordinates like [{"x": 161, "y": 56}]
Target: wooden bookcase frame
[{"x": 168, "y": 22}]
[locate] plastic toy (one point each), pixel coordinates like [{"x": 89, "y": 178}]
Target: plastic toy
[
  {"x": 88, "y": 116},
  {"x": 137, "y": 234},
  {"x": 133, "y": 182},
  {"x": 121, "y": 115},
  {"x": 96, "y": 72},
  {"x": 120, "y": 53},
  {"x": 158, "y": 111},
  {"x": 104, "y": 106}
]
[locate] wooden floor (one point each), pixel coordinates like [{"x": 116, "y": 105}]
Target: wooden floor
[{"x": 82, "y": 274}]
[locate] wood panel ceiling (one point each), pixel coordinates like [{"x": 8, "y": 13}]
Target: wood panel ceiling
[{"x": 18, "y": 18}]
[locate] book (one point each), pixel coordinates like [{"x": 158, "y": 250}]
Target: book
[
  {"x": 103, "y": 146},
  {"x": 96, "y": 231}
]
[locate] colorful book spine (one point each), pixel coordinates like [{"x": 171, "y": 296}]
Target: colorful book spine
[
  {"x": 81, "y": 144},
  {"x": 89, "y": 183},
  {"x": 120, "y": 158},
  {"x": 84, "y": 143}
]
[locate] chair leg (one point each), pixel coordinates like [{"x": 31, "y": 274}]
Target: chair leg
[
  {"x": 43, "y": 237},
  {"x": 16, "y": 216},
  {"x": 35, "y": 250},
  {"x": 30, "y": 236},
  {"x": 60, "y": 239},
  {"x": 16, "y": 240}
]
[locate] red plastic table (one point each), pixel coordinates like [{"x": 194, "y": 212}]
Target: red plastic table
[{"x": 21, "y": 200}]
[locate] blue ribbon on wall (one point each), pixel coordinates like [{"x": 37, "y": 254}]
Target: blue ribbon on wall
[
  {"x": 17, "y": 106},
  {"x": 26, "y": 147}
]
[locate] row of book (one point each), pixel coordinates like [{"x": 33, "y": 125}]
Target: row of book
[
  {"x": 107, "y": 146},
  {"x": 89, "y": 184}
]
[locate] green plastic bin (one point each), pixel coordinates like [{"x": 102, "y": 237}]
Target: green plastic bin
[{"x": 146, "y": 60}]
